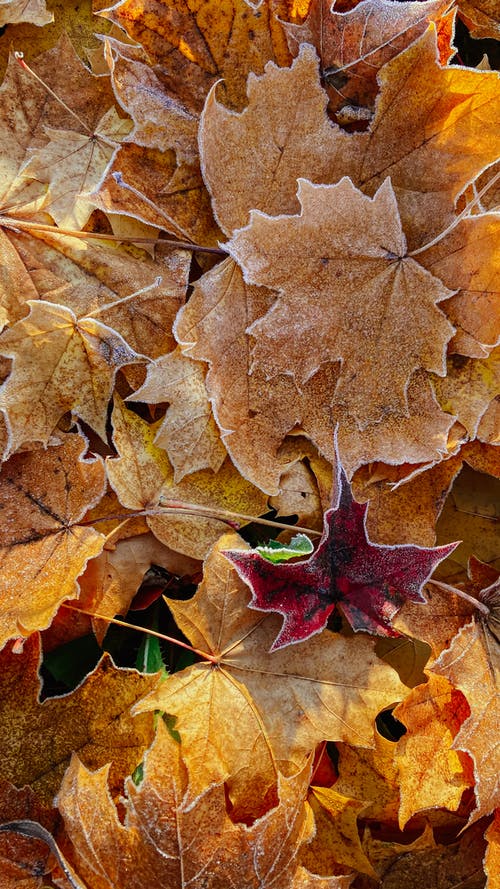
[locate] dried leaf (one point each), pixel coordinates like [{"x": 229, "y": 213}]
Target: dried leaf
[
  {"x": 94, "y": 719},
  {"x": 472, "y": 665},
  {"x": 431, "y": 773},
  {"x": 75, "y": 372},
  {"x": 24, "y": 862},
  {"x": 195, "y": 46},
  {"x": 169, "y": 838},
  {"x": 329, "y": 687},
  {"x": 34, "y": 11},
  {"x": 44, "y": 550},
  {"x": 345, "y": 312},
  {"x": 354, "y": 45},
  {"x": 142, "y": 474},
  {"x": 336, "y": 841},
  {"x": 188, "y": 433}
]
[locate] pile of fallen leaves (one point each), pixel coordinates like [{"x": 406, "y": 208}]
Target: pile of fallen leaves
[{"x": 249, "y": 283}]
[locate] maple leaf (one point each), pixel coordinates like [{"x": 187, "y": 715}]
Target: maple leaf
[
  {"x": 44, "y": 495},
  {"x": 94, "y": 719},
  {"x": 424, "y": 113},
  {"x": 456, "y": 863},
  {"x": 285, "y": 124},
  {"x": 33, "y": 11},
  {"x": 111, "y": 580},
  {"x": 254, "y": 416},
  {"x": 142, "y": 476},
  {"x": 155, "y": 174},
  {"x": 19, "y": 856},
  {"x": 467, "y": 260},
  {"x": 336, "y": 841},
  {"x": 469, "y": 387},
  {"x": 196, "y": 45},
  {"x": 370, "y": 582},
  {"x": 75, "y": 371},
  {"x": 472, "y": 664},
  {"x": 405, "y": 501},
  {"x": 331, "y": 687},
  {"x": 431, "y": 773},
  {"x": 482, "y": 17},
  {"x": 63, "y": 140},
  {"x": 370, "y": 775},
  {"x": 168, "y": 838},
  {"x": 344, "y": 311},
  {"x": 188, "y": 433},
  {"x": 354, "y": 45}
]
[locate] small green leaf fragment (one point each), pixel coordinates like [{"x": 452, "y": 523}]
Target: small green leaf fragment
[{"x": 275, "y": 552}]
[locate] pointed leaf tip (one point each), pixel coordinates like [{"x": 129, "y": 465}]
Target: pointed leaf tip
[{"x": 369, "y": 581}]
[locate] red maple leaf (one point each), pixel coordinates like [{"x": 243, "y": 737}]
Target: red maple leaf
[{"x": 369, "y": 581}]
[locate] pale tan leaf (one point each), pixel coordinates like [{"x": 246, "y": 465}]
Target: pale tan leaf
[
  {"x": 356, "y": 312},
  {"x": 33, "y": 11},
  {"x": 43, "y": 548},
  {"x": 189, "y": 433},
  {"x": 61, "y": 363}
]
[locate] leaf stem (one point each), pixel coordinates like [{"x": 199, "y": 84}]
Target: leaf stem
[
  {"x": 463, "y": 595},
  {"x": 465, "y": 212},
  {"x": 22, "y": 225},
  {"x": 174, "y": 507},
  {"x": 227, "y": 514},
  {"x": 123, "y": 623},
  {"x": 20, "y": 58}
]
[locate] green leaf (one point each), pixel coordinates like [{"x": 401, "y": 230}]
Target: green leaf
[{"x": 275, "y": 552}]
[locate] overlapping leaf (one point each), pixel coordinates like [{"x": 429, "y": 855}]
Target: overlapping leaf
[
  {"x": 369, "y": 582},
  {"x": 170, "y": 838},
  {"x": 43, "y": 548},
  {"x": 38, "y": 739},
  {"x": 286, "y": 701}
]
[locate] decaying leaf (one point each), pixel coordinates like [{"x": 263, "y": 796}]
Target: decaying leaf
[
  {"x": 197, "y": 44},
  {"x": 349, "y": 275},
  {"x": 348, "y": 154},
  {"x": 171, "y": 838},
  {"x": 354, "y": 45},
  {"x": 270, "y": 707},
  {"x": 472, "y": 664},
  {"x": 34, "y": 11},
  {"x": 431, "y": 773},
  {"x": 189, "y": 433},
  {"x": 43, "y": 548},
  {"x": 38, "y": 739},
  {"x": 74, "y": 372}
]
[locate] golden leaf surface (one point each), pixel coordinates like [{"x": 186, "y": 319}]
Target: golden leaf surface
[
  {"x": 141, "y": 475},
  {"x": 336, "y": 843},
  {"x": 93, "y": 720},
  {"x": 354, "y": 45},
  {"x": 60, "y": 148},
  {"x": 424, "y": 113},
  {"x": 43, "y": 548},
  {"x": 431, "y": 772},
  {"x": 188, "y": 433},
  {"x": 472, "y": 664},
  {"x": 170, "y": 838},
  {"x": 197, "y": 43},
  {"x": 61, "y": 363},
  {"x": 324, "y": 689}
]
